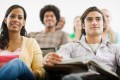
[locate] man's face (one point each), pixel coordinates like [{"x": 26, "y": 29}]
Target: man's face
[
  {"x": 49, "y": 19},
  {"x": 93, "y": 23},
  {"x": 61, "y": 23}
]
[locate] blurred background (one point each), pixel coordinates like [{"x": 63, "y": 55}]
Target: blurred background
[{"x": 68, "y": 9}]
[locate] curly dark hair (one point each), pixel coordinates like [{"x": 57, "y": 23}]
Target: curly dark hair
[
  {"x": 47, "y": 8},
  {"x": 84, "y": 15},
  {"x": 4, "y": 38}
]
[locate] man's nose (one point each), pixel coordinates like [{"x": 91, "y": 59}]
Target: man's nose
[{"x": 94, "y": 22}]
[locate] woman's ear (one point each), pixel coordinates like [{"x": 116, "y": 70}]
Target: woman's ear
[
  {"x": 24, "y": 23},
  {"x": 5, "y": 20}
]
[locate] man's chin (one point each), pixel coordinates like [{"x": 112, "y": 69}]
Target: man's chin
[{"x": 49, "y": 26}]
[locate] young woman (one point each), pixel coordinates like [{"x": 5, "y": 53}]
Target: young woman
[
  {"x": 77, "y": 35},
  {"x": 20, "y": 57},
  {"x": 108, "y": 32}
]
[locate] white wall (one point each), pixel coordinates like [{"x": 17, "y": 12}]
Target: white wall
[{"x": 69, "y": 9}]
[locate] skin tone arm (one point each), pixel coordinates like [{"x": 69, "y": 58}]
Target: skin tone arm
[{"x": 51, "y": 59}]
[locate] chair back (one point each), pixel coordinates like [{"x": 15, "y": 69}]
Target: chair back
[{"x": 47, "y": 50}]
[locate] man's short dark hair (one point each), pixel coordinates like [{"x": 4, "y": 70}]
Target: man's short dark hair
[
  {"x": 84, "y": 15},
  {"x": 47, "y": 8}
]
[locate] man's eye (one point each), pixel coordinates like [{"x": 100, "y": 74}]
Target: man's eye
[
  {"x": 98, "y": 19},
  {"x": 46, "y": 16},
  {"x": 89, "y": 19}
]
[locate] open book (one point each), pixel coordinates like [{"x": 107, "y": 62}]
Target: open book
[{"x": 92, "y": 64}]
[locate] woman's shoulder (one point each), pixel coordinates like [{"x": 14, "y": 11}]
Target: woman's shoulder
[{"x": 26, "y": 39}]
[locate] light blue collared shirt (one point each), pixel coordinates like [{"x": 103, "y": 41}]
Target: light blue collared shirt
[{"x": 107, "y": 53}]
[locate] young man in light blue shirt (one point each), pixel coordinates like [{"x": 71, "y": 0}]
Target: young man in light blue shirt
[{"x": 93, "y": 45}]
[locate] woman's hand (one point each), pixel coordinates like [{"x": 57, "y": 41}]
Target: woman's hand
[{"x": 51, "y": 58}]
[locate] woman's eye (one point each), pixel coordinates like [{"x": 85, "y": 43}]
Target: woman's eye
[
  {"x": 20, "y": 18},
  {"x": 12, "y": 16}
]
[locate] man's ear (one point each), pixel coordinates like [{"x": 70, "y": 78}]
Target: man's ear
[{"x": 83, "y": 26}]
